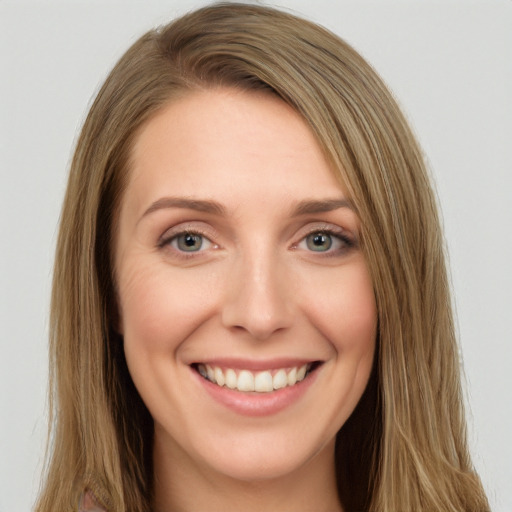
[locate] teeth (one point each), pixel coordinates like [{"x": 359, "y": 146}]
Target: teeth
[
  {"x": 263, "y": 382},
  {"x": 219, "y": 376},
  {"x": 292, "y": 377},
  {"x": 280, "y": 379},
  {"x": 231, "y": 381},
  {"x": 245, "y": 380},
  {"x": 202, "y": 371}
]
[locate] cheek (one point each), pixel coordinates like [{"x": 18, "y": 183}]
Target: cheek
[
  {"x": 345, "y": 312},
  {"x": 159, "y": 308}
]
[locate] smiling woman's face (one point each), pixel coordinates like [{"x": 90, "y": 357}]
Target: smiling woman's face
[{"x": 246, "y": 306}]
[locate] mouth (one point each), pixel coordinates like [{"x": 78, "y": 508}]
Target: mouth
[{"x": 249, "y": 381}]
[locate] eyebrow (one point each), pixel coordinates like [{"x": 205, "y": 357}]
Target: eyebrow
[
  {"x": 208, "y": 206},
  {"x": 326, "y": 205},
  {"x": 199, "y": 205}
]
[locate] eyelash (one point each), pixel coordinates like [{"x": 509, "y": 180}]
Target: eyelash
[
  {"x": 167, "y": 241},
  {"x": 347, "y": 242}
]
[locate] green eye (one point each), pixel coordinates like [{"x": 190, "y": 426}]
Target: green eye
[
  {"x": 319, "y": 242},
  {"x": 189, "y": 242}
]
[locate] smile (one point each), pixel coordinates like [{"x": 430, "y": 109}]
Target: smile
[
  {"x": 265, "y": 381},
  {"x": 256, "y": 388}
]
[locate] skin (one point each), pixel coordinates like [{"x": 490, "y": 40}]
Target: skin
[{"x": 256, "y": 289}]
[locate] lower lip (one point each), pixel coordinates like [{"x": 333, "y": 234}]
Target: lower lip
[{"x": 257, "y": 404}]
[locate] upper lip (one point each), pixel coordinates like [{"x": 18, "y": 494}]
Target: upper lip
[{"x": 255, "y": 364}]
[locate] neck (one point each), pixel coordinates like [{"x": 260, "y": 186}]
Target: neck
[{"x": 181, "y": 485}]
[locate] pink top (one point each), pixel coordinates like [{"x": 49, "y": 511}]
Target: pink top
[{"x": 89, "y": 503}]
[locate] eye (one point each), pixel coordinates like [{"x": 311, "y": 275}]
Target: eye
[
  {"x": 189, "y": 242},
  {"x": 319, "y": 242},
  {"x": 326, "y": 241}
]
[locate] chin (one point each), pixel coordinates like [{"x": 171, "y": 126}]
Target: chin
[{"x": 260, "y": 459}]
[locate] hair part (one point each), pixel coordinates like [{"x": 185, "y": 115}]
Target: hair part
[{"x": 404, "y": 447}]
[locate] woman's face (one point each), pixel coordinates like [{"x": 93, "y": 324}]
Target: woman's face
[{"x": 246, "y": 305}]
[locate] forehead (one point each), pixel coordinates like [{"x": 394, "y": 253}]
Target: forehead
[{"x": 223, "y": 141}]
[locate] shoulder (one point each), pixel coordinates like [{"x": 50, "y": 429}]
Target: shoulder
[{"x": 89, "y": 503}]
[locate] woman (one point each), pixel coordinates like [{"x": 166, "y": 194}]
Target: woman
[{"x": 250, "y": 303}]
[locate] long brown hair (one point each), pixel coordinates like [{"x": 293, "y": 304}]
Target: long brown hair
[{"x": 404, "y": 447}]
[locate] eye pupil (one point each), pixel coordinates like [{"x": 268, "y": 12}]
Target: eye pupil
[
  {"x": 319, "y": 242},
  {"x": 190, "y": 242}
]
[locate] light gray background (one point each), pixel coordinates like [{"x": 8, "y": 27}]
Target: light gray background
[{"x": 450, "y": 65}]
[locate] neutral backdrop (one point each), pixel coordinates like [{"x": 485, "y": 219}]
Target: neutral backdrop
[{"x": 449, "y": 64}]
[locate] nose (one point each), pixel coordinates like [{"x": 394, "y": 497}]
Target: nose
[{"x": 259, "y": 297}]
